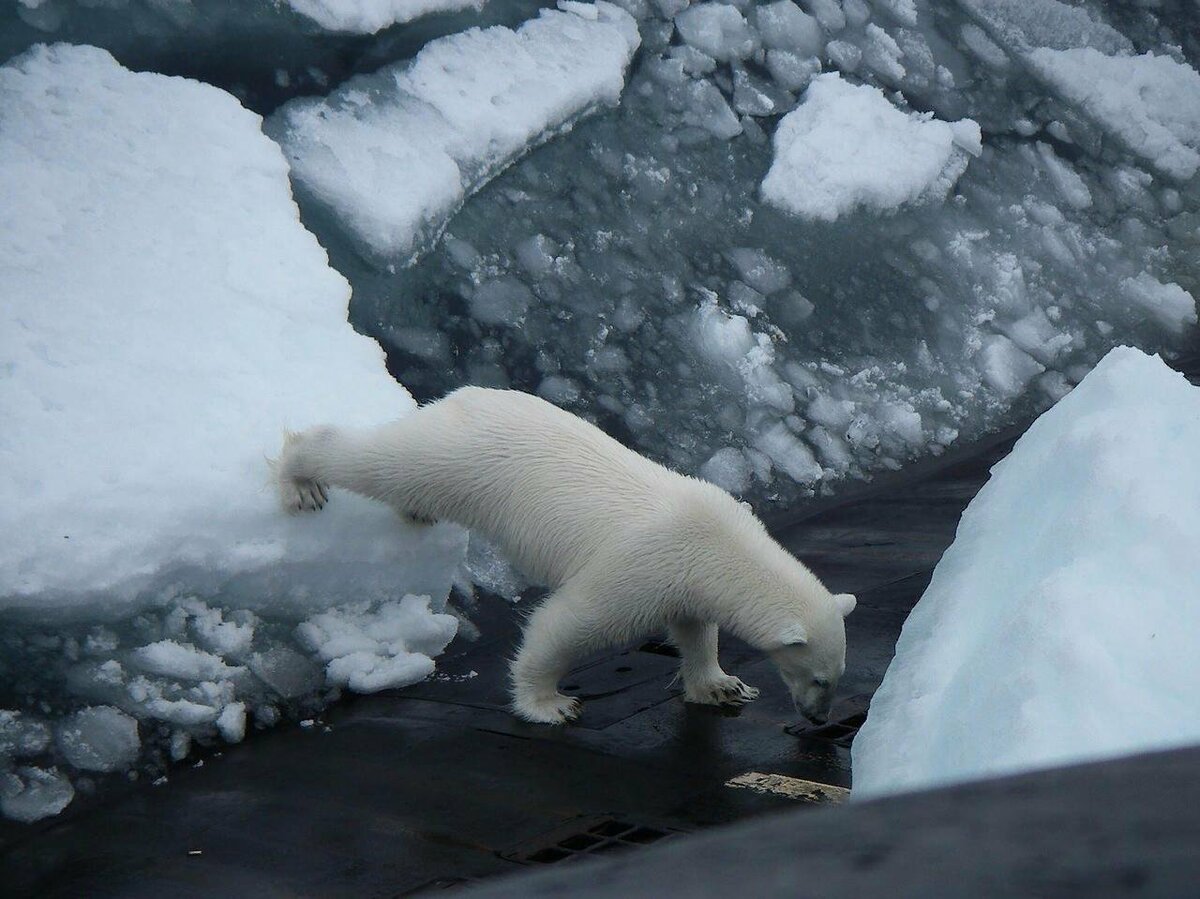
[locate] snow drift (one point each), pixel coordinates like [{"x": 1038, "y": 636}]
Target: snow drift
[{"x": 1064, "y": 621}]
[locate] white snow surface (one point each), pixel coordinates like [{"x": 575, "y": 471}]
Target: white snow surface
[
  {"x": 846, "y": 147},
  {"x": 394, "y": 154},
  {"x": 370, "y": 16},
  {"x": 1150, "y": 103},
  {"x": 164, "y": 317},
  {"x": 1063, "y": 623}
]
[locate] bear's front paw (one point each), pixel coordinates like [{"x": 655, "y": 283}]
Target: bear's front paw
[
  {"x": 303, "y": 495},
  {"x": 724, "y": 689},
  {"x": 554, "y": 709}
]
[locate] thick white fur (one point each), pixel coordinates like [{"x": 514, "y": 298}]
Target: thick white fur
[{"x": 628, "y": 547}]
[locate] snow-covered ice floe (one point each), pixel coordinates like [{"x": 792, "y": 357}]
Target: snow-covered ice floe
[
  {"x": 847, "y": 147},
  {"x": 1149, "y": 103},
  {"x": 369, "y": 16},
  {"x": 164, "y": 317},
  {"x": 395, "y": 153},
  {"x": 1063, "y": 622}
]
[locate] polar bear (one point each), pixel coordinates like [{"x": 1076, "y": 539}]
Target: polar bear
[{"x": 627, "y": 547}]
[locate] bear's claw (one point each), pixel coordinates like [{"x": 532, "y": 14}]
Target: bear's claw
[
  {"x": 304, "y": 496},
  {"x": 556, "y": 709},
  {"x": 725, "y": 690}
]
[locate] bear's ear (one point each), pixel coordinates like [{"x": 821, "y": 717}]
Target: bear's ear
[
  {"x": 793, "y": 635},
  {"x": 845, "y": 603}
]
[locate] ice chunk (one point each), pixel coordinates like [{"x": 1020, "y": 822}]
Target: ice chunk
[
  {"x": 846, "y": 147},
  {"x": 844, "y": 55},
  {"x": 728, "y": 468},
  {"x": 488, "y": 569},
  {"x": 232, "y": 722},
  {"x": 1070, "y": 186},
  {"x": 718, "y": 30},
  {"x": 501, "y": 301},
  {"x": 182, "y": 661},
  {"x": 370, "y": 16},
  {"x": 367, "y": 672},
  {"x": 376, "y": 647},
  {"x": 393, "y": 154},
  {"x": 903, "y": 11},
  {"x": 1168, "y": 304},
  {"x": 881, "y": 54},
  {"x": 30, "y": 794},
  {"x": 175, "y": 213},
  {"x": 785, "y": 26},
  {"x": 760, "y": 271},
  {"x": 977, "y": 41},
  {"x": 285, "y": 672},
  {"x": 792, "y": 71},
  {"x": 1022, "y": 24},
  {"x": 787, "y": 451},
  {"x": 1038, "y": 636},
  {"x": 1006, "y": 367},
  {"x": 21, "y": 735},
  {"x": 100, "y": 738},
  {"x": 828, "y": 13},
  {"x": 1149, "y": 103}
]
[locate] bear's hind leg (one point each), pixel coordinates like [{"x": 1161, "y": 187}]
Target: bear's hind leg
[
  {"x": 703, "y": 680},
  {"x": 554, "y": 635}
]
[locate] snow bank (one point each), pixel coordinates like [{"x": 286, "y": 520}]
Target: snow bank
[
  {"x": 1151, "y": 104},
  {"x": 1064, "y": 621},
  {"x": 394, "y": 154},
  {"x": 165, "y": 316},
  {"x": 847, "y": 147},
  {"x": 370, "y": 16}
]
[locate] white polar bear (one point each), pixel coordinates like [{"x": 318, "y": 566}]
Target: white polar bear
[{"x": 628, "y": 547}]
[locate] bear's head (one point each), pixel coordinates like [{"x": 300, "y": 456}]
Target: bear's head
[{"x": 811, "y": 655}]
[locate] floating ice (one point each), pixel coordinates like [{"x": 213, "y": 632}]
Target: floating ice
[
  {"x": 1067, "y": 606},
  {"x": 21, "y": 736},
  {"x": 100, "y": 738},
  {"x": 1150, "y": 103},
  {"x": 718, "y": 30},
  {"x": 934, "y": 305},
  {"x": 846, "y": 147},
  {"x": 30, "y": 794},
  {"x": 394, "y": 154},
  {"x": 1022, "y": 24},
  {"x": 369, "y": 16}
]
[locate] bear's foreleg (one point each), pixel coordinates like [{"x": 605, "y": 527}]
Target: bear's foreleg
[
  {"x": 555, "y": 634},
  {"x": 300, "y": 489},
  {"x": 703, "y": 680}
]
